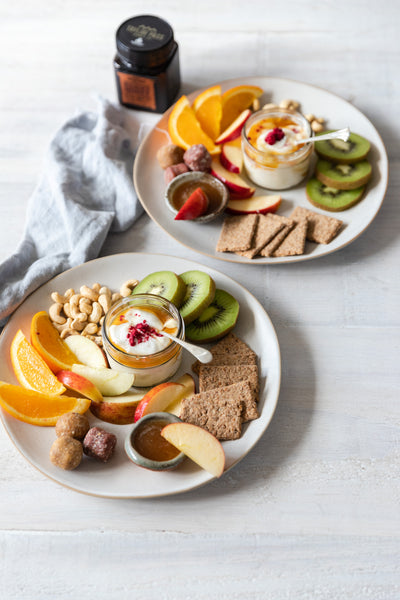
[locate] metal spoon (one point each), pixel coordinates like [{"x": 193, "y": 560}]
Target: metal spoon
[
  {"x": 341, "y": 134},
  {"x": 203, "y": 355}
]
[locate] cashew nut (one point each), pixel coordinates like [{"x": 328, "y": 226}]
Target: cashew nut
[
  {"x": 54, "y": 313},
  {"x": 317, "y": 127},
  {"x": 96, "y": 313},
  {"x": 289, "y": 104},
  {"x": 96, "y": 287},
  {"x": 77, "y": 314},
  {"x": 270, "y": 106},
  {"x": 67, "y": 309},
  {"x": 256, "y": 104},
  {"x": 58, "y": 298},
  {"x": 85, "y": 306},
  {"x": 310, "y": 117},
  {"x": 90, "y": 328},
  {"x": 77, "y": 324},
  {"x": 89, "y": 293},
  {"x": 67, "y": 332},
  {"x": 115, "y": 297},
  {"x": 105, "y": 302},
  {"x": 127, "y": 287}
]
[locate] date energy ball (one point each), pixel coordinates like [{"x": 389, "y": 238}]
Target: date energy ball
[
  {"x": 99, "y": 444},
  {"x": 198, "y": 158},
  {"x": 66, "y": 453},
  {"x": 169, "y": 155},
  {"x": 72, "y": 424},
  {"x": 171, "y": 172}
]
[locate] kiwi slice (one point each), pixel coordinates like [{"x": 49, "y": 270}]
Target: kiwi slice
[
  {"x": 162, "y": 283},
  {"x": 355, "y": 149},
  {"x": 200, "y": 292},
  {"x": 218, "y": 319},
  {"x": 341, "y": 176},
  {"x": 330, "y": 198}
]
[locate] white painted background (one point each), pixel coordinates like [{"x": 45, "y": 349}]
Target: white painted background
[{"x": 312, "y": 513}]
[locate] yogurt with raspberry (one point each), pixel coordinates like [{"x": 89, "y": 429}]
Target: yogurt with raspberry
[
  {"x": 133, "y": 338},
  {"x": 138, "y": 331},
  {"x": 273, "y": 154}
]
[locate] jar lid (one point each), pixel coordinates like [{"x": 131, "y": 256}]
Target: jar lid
[{"x": 145, "y": 41}]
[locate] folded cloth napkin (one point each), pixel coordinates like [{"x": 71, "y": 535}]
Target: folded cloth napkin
[{"x": 85, "y": 191}]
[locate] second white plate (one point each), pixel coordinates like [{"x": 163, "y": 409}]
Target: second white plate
[{"x": 150, "y": 187}]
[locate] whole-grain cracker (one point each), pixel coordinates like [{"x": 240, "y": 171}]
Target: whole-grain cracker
[
  {"x": 321, "y": 228},
  {"x": 228, "y": 359},
  {"x": 266, "y": 230},
  {"x": 216, "y": 412},
  {"x": 214, "y": 377},
  {"x": 288, "y": 224},
  {"x": 237, "y": 233},
  {"x": 233, "y": 344},
  {"x": 294, "y": 243}
]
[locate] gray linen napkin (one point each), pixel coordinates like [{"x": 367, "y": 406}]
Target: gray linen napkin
[{"x": 85, "y": 191}]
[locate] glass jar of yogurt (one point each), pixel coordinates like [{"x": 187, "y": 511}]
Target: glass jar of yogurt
[
  {"x": 133, "y": 338},
  {"x": 272, "y": 155}
]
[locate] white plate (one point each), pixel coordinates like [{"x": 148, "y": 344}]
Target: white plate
[
  {"x": 149, "y": 182},
  {"x": 120, "y": 478}
]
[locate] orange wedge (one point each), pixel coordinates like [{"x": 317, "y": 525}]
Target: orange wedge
[
  {"x": 208, "y": 110},
  {"x": 236, "y": 100},
  {"x": 185, "y": 129},
  {"x": 46, "y": 340},
  {"x": 37, "y": 408},
  {"x": 30, "y": 369}
]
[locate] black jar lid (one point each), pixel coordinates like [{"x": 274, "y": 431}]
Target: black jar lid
[{"x": 145, "y": 41}]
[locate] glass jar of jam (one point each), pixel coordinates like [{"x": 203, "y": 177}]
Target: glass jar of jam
[{"x": 146, "y": 64}]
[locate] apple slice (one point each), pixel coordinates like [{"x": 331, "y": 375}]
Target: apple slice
[
  {"x": 257, "y": 204},
  {"x": 158, "y": 398},
  {"x": 119, "y": 410},
  {"x": 231, "y": 157},
  {"x": 86, "y": 351},
  {"x": 233, "y": 182},
  {"x": 78, "y": 383},
  {"x": 189, "y": 388},
  {"x": 195, "y": 206},
  {"x": 109, "y": 381},
  {"x": 198, "y": 444},
  {"x": 234, "y": 130}
]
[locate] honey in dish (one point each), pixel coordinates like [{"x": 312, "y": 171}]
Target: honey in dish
[
  {"x": 182, "y": 193},
  {"x": 149, "y": 442}
]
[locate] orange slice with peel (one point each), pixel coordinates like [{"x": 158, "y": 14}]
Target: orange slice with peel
[
  {"x": 30, "y": 369},
  {"x": 208, "y": 110},
  {"x": 46, "y": 340},
  {"x": 185, "y": 129},
  {"x": 236, "y": 100},
  {"x": 36, "y": 408}
]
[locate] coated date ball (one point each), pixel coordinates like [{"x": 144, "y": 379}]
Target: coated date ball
[
  {"x": 170, "y": 155},
  {"x": 99, "y": 444},
  {"x": 66, "y": 453},
  {"x": 198, "y": 158},
  {"x": 72, "y": 424},
  {"x": 171, "y": 172}
]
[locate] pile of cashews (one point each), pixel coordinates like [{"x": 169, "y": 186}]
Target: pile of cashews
[{"x": 83, "y": 313}]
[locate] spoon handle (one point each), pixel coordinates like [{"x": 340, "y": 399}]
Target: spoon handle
[
  {"x": 203, "y": 355},
  {"x": 341, "y": 134}
]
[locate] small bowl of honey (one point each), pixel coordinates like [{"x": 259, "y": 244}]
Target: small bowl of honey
[
  {"x": 146, "y": 447},
  {"x": 182, "y": 186}
]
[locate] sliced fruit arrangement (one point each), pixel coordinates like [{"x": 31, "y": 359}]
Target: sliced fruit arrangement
[
  {"x": 340, "y": 174},
  {"x": 343, "y": 176},
  {"x": 236, "y": 100},
  {"x": 162, "y": 283},
  {"x": 200, "y": 292},
  {"x": 198, "y": 444},
  {"x": 237, "y": 186},
  {"x": 216, "y": 320},
  {"x": 208, "y": 110},
  {"x": 30, "y": 369},
  {"x": 37, "y": 408},
  {"x": 185, "y": 130},
  {"x": 256, "y": 204},
  {"x": 46, "y": 340}
]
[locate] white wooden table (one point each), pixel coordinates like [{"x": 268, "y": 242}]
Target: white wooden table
[{"x": 313, "y": 511}]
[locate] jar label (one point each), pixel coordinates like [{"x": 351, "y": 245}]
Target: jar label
[{"x": 137, "y": 90}]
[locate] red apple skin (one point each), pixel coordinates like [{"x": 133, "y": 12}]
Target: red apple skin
[
  {"x": 235, "y": 129},
  {"x": 80, "y": 384},
  {"x": 226, "y": 161},
  {"x": 195, "y": 206},
  {"x": 158, "y": 398},
  {"x": 118, "y": 413},
  {"x": 252, "y": 205},
  {"x": 238, "y": 188}
]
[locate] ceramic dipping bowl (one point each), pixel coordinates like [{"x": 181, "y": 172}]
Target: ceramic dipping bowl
[
  {"x": 182, "y": 186},
  {"x": 145, "y": 446}
]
